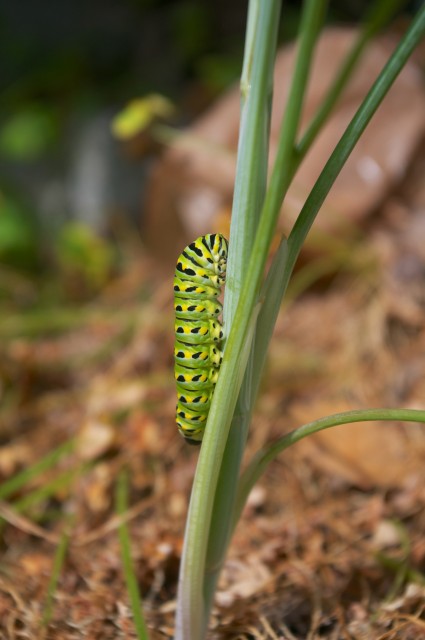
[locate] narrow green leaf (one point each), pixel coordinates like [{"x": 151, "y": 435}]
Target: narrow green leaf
[
  {"x": 253, "y": 147},
  {"x": 352, "y": 134},
  {"x": 378, "y": 15},
  {"x": 121, "y": 501},
  {"x": 58, "y": 562},
  {"x": 260, "y": 461},
  {"x": 271, "y": 299}
]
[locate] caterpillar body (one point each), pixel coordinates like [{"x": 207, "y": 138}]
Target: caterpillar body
[{"x": 199, "y": 276}]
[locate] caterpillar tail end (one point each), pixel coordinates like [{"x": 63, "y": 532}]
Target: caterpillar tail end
[{"x": 192, "y": 442}]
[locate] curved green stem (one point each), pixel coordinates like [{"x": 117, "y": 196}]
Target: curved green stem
[{"x": 260, "y": 461}]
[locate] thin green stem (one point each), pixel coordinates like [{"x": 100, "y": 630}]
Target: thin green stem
[
  {"x": 263, "y": 458},
  {"x": 379, "y": 14},
  {"x": 351, "y": 135},
  {"x": 48, "y": 489},
  {"x": 121, "y": 501},
  {"x": 58, "y": 562}
]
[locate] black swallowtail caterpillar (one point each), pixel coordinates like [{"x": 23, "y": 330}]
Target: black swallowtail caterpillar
[{"x": 200, "y": 274}]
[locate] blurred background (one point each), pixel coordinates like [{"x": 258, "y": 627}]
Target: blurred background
[{"x": 69, "y": 190}]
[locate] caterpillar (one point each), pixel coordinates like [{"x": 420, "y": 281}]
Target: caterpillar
[{"x": 199, "y": 276}]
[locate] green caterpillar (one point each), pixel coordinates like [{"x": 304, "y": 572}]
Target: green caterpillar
[{"x": 200, "y": 274}]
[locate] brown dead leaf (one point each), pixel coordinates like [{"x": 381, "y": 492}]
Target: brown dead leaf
[
  {"x": 13, "y": 456},
  {"x": 414, "y": 594},
  {"x": 241, "y": 579},
  {"x": 95, "y": 438},
  {"x": 36, "y": 564}
]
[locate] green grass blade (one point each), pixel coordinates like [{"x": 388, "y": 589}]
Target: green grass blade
[
  {"x": 260, "y": 461},
  {"x": 58, "y": 562},
  {"x": 128, "y": 567},
  {"x": 49, "y": 489},
  {"x": 20, "y": 479}
]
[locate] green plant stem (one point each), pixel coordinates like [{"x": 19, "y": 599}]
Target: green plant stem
[
  {"x": 351, "y": 135},
  {"x": 263, "y": 458},
  {"x": 121, "y": 501},
  {"x": 228, "y": 479},
  {"x": 195, "y": 613},
  {"x": 192, "y": 615},
  {"x": 58, "y": 562},
  {"x": 379, "y": 14},
  {"x": 256, "y": 88},
  {"x": 311, "y": 19}
]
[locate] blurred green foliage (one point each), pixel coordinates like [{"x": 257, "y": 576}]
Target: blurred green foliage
[
  {"x": 18, "y": 234},
  {"x": 192, "y": 29},
  {"x": 85, "y": 260},
  {"x": 64, "y": 63},
  {"x": 28, "y": 132}
]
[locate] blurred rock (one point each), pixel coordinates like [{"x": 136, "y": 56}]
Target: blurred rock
[{"x": 193, "y": 182}]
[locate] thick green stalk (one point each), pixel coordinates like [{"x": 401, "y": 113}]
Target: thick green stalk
[
  {"x": 226, "y": 487},
  {"x": 256, "y": 86}
]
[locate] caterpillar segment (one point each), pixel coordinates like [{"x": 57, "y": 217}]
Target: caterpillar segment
[{"x": 199, "y": 276}]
